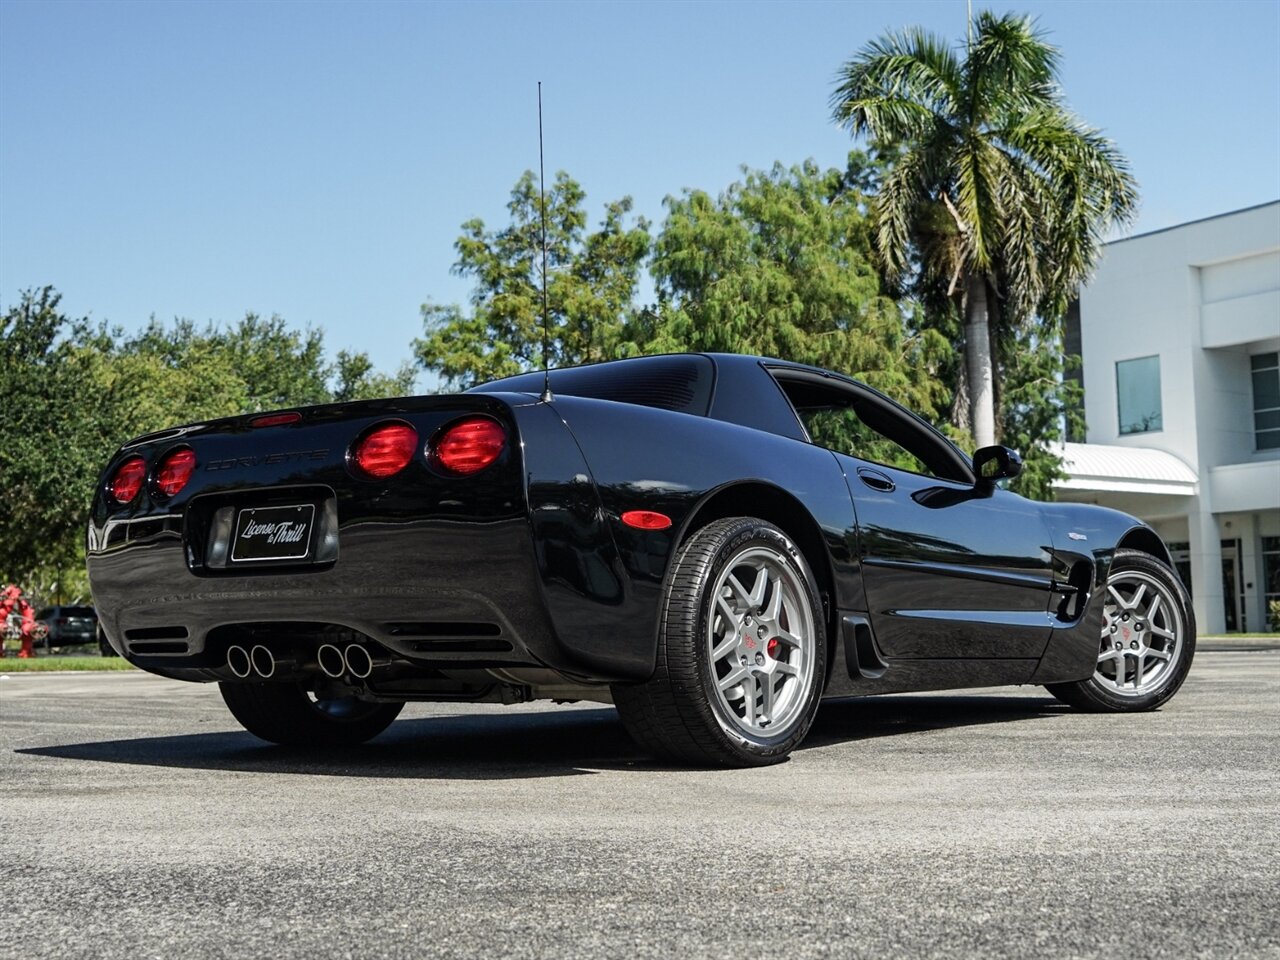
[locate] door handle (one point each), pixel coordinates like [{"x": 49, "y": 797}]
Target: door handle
[{"x": 875, "y": 479}]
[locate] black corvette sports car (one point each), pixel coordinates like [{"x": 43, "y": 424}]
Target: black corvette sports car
[{"x": 713, "y": 543}]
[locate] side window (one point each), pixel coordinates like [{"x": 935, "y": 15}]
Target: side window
[
  {"x": 869, "y": 427},
  {"x": 842, "y": 430}
]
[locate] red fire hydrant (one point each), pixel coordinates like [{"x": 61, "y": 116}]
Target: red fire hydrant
[{"x": 11, "y": 601}]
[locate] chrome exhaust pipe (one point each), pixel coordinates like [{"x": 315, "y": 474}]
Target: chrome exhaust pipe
[
  {"x": 332, "y": 663},
  {"x": 359, "y": 661},
  {"x": 239, "y": 662}
]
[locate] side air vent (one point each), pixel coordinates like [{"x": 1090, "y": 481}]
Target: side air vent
[{"x": 861, "y": 654}]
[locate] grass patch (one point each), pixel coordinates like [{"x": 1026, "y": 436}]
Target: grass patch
[
  {"x": 12, "y": 664},
  {"x": 1239, "y": 636}
]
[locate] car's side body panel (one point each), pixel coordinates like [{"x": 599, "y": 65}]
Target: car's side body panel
[{"x": 951, "y": 571}]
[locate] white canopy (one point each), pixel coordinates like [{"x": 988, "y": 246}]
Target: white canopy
[{"x": 1113, "y": 468}]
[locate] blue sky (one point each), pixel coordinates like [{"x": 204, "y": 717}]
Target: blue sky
[{"x": 316, "y": 159}]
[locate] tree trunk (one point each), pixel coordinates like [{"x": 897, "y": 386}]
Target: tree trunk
[{"x": 977, "y": 350}]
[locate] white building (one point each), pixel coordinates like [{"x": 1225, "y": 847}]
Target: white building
[{"x": 1179, "y": 333}]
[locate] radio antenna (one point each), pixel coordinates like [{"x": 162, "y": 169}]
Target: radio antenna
[{"x": 542, "y": 196}]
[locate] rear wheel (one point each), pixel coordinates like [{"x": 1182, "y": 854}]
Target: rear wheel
[
  {"x": 287, "y": 713},
  {"x": 104, "y": 645},
  {"x": 1147, "y": 644},
  {"x": 741, "y": 651}
]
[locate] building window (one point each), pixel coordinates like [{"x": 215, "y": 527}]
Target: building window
[
  {"x": 1266, "y": 400},
  {"x": 1138, "y": 395},
  {"x": 1270, "y": 574}
]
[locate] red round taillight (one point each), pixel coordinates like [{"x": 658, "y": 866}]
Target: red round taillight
[
  {"x": 175, "y": 470},
  {"x": 384, "y": 451},
  {"x": 468, "y": 446},
  {"x": 127, "y": 480}
]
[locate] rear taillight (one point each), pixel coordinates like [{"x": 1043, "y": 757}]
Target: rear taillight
[
  {"x": 127, "y": 480},
  {"x": 175, "y": 470},
  {"x": 468, "y": 446},
  {"x": 385, "y": 450}
]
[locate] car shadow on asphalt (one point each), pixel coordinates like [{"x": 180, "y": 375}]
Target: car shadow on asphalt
[{"x": 548, "y": 743}]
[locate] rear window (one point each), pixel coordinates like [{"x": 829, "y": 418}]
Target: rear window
[{"x": 681, "y": 383}]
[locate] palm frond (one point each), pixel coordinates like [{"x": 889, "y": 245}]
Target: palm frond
[
  {"x": 913, "y": 67},
  {"x": 900, "y": 194},
  {"x": 1010, "y": 67},
  {"x": 978, "y": 199}
]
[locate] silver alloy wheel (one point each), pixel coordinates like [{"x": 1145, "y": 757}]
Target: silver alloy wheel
[
  {"x": 1141, "y": 635},
  {"x": 761, "y": 644}
]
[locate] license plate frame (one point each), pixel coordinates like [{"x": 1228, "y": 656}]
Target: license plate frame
[{"x": 272, "y": 534}]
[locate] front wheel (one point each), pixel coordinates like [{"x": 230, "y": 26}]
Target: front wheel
[
  {"x": 287, "y": 713},
  {"x": 1148, "y": 640},
  {"x": 741, "y": 651}
]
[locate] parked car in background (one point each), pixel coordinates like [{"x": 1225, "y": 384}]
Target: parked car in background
[{"x": 69, "y": 626}]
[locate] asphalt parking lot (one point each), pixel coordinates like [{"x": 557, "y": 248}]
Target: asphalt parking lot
[{"x": 139, "y": 821}]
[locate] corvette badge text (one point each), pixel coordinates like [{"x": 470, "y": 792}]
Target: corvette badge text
[{"x": 294, "y": 456}]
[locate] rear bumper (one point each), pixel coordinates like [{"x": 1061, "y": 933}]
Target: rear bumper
[{"x": 437, "y": 593}]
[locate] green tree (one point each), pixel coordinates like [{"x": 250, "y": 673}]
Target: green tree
[
  {"x": 783, "y": 264},
  {"x": 356, "y": 379},
  {"x": 72, "y": 392},
  {"x": 48, "y": 445},
  {"x": 780, "y": 264},
  {"x": 277, "y": 366},
  {"x": 591, "y": 286},
  {"x": 993, "y": 187}
]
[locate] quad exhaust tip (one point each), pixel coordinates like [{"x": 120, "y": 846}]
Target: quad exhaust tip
[
  {"x": 239, "y": 662},
  {"x": 355, "y": 661},
  {"x": 263, "y": 661},
  {"x": 331, "y": 661},
  {"x": 258, "y": 660},
  {"x": 359, "y": 662}
]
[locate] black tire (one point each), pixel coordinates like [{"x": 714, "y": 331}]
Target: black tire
[
  {"x": 284, "y": 713},
  {"x": 680, "y": 713},
  {"x": 104, "y": 645},
  {"x": 1097, "y": 695}
]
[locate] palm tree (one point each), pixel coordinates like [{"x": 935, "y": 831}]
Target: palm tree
[{"x": 986, "y": 144}]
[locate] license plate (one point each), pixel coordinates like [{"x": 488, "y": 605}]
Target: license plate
[{"x": 273, "y": 533}]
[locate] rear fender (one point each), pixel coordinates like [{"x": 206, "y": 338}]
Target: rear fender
[{"x": 630, "y": 452}]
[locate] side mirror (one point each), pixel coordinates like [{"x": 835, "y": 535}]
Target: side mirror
[{"x": 996, "y": 463}]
